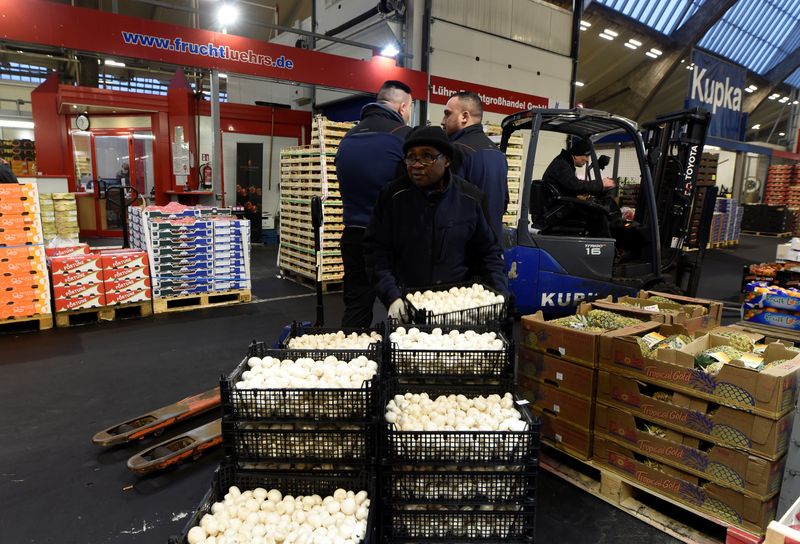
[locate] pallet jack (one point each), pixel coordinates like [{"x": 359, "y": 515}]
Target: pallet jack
[{"x": 194, "y": 443}]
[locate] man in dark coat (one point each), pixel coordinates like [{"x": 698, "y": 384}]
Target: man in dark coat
[
  {"x": 6, "y": 175},
  {"x": 369, "y": 157},
  {"x": 429, "y": 227},
  {"x": 477, "y": 159}
]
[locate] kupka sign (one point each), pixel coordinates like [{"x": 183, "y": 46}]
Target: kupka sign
[{"x": 494, "y": 99}]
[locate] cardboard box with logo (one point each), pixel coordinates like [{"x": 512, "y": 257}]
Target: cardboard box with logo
[{"x": 693, "y": 318}]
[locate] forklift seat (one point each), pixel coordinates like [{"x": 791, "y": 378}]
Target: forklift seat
[{"x": 553, "y": 213}]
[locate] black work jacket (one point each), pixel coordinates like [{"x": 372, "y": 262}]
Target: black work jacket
[{"x": 561, "y": 174}]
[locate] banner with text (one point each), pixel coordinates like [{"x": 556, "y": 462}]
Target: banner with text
[
  {"x": 718, "y": 86},
  {"x": 494, "y": 99}
]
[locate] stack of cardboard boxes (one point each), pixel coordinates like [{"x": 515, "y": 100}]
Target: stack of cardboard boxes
[
  {"x": 24, "y": 286},
  {"x": 59, "y": 217}
]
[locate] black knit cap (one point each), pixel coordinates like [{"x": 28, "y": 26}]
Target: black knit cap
[
  {"x": 429, "y": 135},
  {"x": 580, "y": 146}
]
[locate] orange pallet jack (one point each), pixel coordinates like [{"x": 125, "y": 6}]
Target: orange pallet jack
[{"x": 170, "y": 452}]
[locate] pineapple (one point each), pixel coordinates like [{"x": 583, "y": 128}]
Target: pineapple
[
  {"x": 663, "y": 396},
  {"x": 715, "y": 355},
  {"x": 740, "y": 341},
  {"x": 655, "y": 430}
]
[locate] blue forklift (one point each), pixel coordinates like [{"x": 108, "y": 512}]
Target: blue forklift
[{"x": 554, "y": 262}]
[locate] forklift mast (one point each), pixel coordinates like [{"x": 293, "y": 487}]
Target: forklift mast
[{"x": 674, "y": 146}]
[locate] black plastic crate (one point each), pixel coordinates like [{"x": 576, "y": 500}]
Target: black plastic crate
[
  {"x": 472, "y": 448},
  {"x": 482, "y": 315},
  {"x": 460, "y": 487},
  {"x": 289, "y": 483},
  {"x": 399, "y": 524},
  {"x": 297, "y": 329},
  {"x": 316, "y": 443},
  {"x": 309, "y": 404},
  {"x": 428, "y": 363}
]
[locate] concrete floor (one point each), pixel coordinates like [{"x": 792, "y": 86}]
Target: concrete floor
[{"x": 61, "y": 386}]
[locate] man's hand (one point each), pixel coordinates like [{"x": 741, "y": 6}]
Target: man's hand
[
  {"x": 609, "y": 183},
  {"x": 397, "y": 310}
]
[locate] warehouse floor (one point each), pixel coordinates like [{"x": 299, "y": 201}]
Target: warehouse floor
[{"x": 63, "y": 385}]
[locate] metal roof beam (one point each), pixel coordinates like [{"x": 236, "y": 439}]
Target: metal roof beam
[
  {"x": 642, "y": 83},
  {"x": 771, "y": 80}
]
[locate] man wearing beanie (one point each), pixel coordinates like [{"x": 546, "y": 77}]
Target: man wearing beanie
[
  {"x": 429, "y": 227},
  {"x": 369, "y": 157}
]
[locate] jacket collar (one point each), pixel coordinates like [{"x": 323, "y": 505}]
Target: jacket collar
[
  {"x": 472, "y": 129},
  {"x": 377, "y": 109}
]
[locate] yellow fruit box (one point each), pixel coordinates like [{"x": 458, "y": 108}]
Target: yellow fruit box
[
  {"x": 727, "y": 467},
  {"x": 765, "y": 437},
  {"x": 770, "y": 393}
]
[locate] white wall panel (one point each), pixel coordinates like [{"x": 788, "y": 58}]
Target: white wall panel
[{"x": 15, "y": 91}]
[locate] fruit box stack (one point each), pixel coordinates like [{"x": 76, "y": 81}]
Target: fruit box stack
[
  {"x": 772, "y": 305},
  {"x": 706, "y": 421},
  {"x": 694, "y": 315},
  {"x": 24, "y": 286},
  {"x": 59, "y": 217},
  {"x": 84, "y": 279},
  {"x": 557, "y": 370}
]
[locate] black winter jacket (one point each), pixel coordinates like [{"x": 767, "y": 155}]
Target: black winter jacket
[
  {"x": 369, "y": 156},
  {"x": 561, "y": 174},
  {"x": 479, "y": 161},
  {"x": 419, "y": 238}
]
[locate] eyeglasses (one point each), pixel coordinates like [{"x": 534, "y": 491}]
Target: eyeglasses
[{"x": 425, "y": 160}]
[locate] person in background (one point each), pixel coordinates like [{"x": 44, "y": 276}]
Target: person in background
[
  {"x": 477, "y": 160},
  {"x": 124, "y": 175},
  {"x": 429, "y": 227},
  {"x": 6, "y": 175},
  {"x": 369, "y": 157}
]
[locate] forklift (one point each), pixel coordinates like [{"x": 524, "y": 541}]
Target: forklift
[{"x": 553, "y": 260}]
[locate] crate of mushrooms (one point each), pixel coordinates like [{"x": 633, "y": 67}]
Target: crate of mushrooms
[{"x": 457, "y": 304}]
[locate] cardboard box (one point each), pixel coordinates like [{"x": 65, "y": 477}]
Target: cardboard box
[
  {"x": 721, "y": 425},
  {"x": 67, "y": 251},
  {"x": 770, "y": 393},
  {"x": 24, "y": 309},
  {"x": 20, "y": 237},
  {"x": 114, "y": 274},
  {"x": 725, "y": 466},
  {"x": 230, "y": 285},
  {"x": 750, "y": 513},
  {"x": 21, "y": 205},
  {"x": 77, "y": 263},
  {"x": 25, "y": 254},
  {"x": 570, "y": 408},
  {"x": 79, "y": 303},
  {"x": 124, "y": 258},
  {"x": 61, "y": 279},
  {"x": 23, "y": 267},
  {"x": 554, "y": 371},
  {"x": 127, "y": 284},
  {"x": 24, "y": 291},
  {"x": 126, "y": 297},
  {"x": 159, "y": 292},
  {"x": 693, "y": 319},
  {"x": 564, "y": 436},
  {"x": 183, "y": 270},
  {"x": 18, "y": 222},
  {"x": 15, "y": 191},
  {"x": 23, "y": 278},
  {"x": 714, "y": 307},
  {"x": 772, "y": 317},
  {"x": 77, "y": 290},
  {"x": 571, "y": 344}
]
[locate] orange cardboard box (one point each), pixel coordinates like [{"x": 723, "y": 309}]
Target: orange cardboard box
[
  {"x": 724, "y": 466},
  {"x": 76, "y": 263},
  {"x": 721, "y": 425},
  {"x": 116, "y": 274},
  {"x": 23, "y": 294},
  {"x": 20, "y": 205},
  {"x": 22, "y": 254},
  {"x": 15, "y": 191},
  {"x": 21, "y": 236},
  {"x": 125, "y": 297},
  {"x": 123, "y": 258},
  {"x": 24, "y": 309},
  {"x": 77, "y": 290},
  {"x": 16, "y": 222},
  {"x": 752, "y": 514},
  {"x": 79, "y": 303},
  {"x": 554, "y": 371},
  {"x": 61, "y": 279},
  {"x": 564, "y": 436},
  {"x": 67, "y": 251},
  {"x": 23, "y": 266}
]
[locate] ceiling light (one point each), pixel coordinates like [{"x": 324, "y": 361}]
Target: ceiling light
[
  {"x": 110, "y": 62},
  {"x": 611, "y": 33},
  {"x": 781, "y": 134},
  {"x": 15, "y": 123},
  {"x": 772, "y": 97},
  {"x": 784, "y": 100},
  {"x": 579, "y": 84},
  {"x": 748, "y": 90},
  {"x": 606, "y": 36},
  {"x": 390, "y": 51},
  {"x": 222, "y": 76},
  {"x": 756, "y": 127},
  {"x": 227, "y": 15},
  {"x": 656, "y": 51},
  {"x": 651, "y": 55},
  {"x": 711, "y": 148},
  {"x": 630, "y": 46},
  {"x": 752, "y": 88},
  {"x": 637, "y": 43},
  {"x": 683, "y": 60},
  {"x": 795, "y": 103},
  {"x": 586, "y": 24}
]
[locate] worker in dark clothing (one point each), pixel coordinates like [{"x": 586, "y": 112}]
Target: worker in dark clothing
[
  {"x": 477, "y": 159},
  {"x": 369, "y": 157},
  {"x": 429, "y": 227},
  {"x": 6, "y": 175},
  {"x": 560, "y": 175}
]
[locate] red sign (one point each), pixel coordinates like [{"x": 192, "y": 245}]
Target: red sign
[
  {"x": 48, "y": 23},
  {"x": 494, "y": 99}
]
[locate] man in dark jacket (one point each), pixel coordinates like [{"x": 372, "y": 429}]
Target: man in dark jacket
[
  {"x": 429, "y": 227},
  {"x": 369, "y": 157},
  {"x": 6, "y": 175},
  {"x": 477, "y": 159}
]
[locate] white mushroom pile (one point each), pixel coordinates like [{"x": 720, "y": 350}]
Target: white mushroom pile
[
  {"x": 465, "y": 521},
  {"x": 334, "y": 340},
  {"x": 306, "y": 373},
  {"x": 301, "y": 440},
  {"x": 454, "y": 340},
  {"x": 477, "y": 352},
  {"x": 454, "y": 299},
  {"x": 259, "y": 516},
  {"x": 418, "y": 412},
  {"x": 423, "y": 483}
]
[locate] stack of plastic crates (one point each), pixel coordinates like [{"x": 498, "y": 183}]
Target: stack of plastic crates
[{"x": 450, "y": 485}]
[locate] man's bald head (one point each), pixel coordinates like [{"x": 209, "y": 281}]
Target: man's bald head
[{"x": 397, "y": 96}]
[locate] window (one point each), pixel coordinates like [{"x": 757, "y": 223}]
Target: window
[{"x": 27, "y": 73}]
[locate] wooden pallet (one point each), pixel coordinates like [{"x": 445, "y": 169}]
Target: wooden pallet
[
  {"x": 38, "y": 322},
  {"x": 655, "y": 509},
  {"x": 86, "y": 316},
  {"x": 768, "y": 234},
  {"x": 309, "y": 280},
  {"x": 182, "y": 303}
]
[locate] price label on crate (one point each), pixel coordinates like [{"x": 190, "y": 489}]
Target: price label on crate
[
  {"x": 562, "y": 351},
  {"x": 558, "y": 438},
  {"x": 522, "y": 402},
  {"x": 559, "y": 376},
  {"x": 556, "y": 408}
]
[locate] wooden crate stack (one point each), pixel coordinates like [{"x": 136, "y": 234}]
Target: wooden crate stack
[
  {"x": 779, "y": 181},
  {"x": 515, "y": 162},
  {"x": 307, "y": 171}
]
